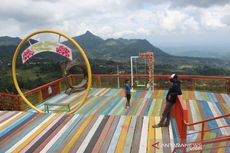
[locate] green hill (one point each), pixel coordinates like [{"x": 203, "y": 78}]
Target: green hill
[{"x": 114, "y": 49}]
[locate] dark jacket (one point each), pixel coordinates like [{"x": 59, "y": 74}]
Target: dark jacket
[{"x": 174, "y": 90}]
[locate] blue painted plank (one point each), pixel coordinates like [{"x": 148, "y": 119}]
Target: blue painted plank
[
  {"x": 208, "y": 114},
  {"x": 15, "y": 124},
  {"x": 116, "y": 135},
  {"x": 148, "y": 107}
]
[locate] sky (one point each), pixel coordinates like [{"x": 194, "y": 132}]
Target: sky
[{"x": 165, "y": 23}]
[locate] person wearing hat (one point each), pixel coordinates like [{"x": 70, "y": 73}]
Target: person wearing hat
[{"x": 173, "y": 91}]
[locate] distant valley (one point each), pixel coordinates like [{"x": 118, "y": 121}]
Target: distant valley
[{"x": 105, "y": 56}]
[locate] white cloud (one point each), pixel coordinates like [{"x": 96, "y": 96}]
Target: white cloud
[{"x": 116, "y": 18}]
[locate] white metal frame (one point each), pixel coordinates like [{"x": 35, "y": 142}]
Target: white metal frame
[{"x": 131, "y": 60}]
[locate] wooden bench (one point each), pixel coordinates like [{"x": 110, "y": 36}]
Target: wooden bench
[{"x": 65, "y": 105}]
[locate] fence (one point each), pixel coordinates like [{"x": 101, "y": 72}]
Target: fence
[
  {"x": 42, "y": 93},
  {"x": 180, "y": 113}
]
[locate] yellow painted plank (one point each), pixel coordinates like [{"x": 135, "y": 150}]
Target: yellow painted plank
[
  {"x": 69, "y": 146},
  {"x": 151, "y": 135},
  {"x": 11, "y": 121},
  {"x": 122, "y": 138},
  {"x": 158, "y": 133},
  {"x": 38, "y": 131}
]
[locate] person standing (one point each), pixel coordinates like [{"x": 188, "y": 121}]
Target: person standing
[
  {"x": 127, "y": 93},
  {"x": 171, "y": 97}
]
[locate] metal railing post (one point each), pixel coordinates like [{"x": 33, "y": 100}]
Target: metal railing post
[{"x": 202, "y": 131}]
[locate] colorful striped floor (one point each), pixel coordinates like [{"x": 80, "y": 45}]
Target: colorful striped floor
[
  {"x": 33, "y": 132},
  {"x": 103, "y": 125},
  {"x": 107, "y": 101}
]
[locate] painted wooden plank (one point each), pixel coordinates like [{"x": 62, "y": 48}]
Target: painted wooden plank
[
  {"x": 103, "y": 135},
  {"x": 226, "y": 99},
  {"x": 119, "y": 92},
  {"x": 133, "y": 106},
  {"x": 20, "y": 144},
  {"x": 158, "y": 132},
  {"x": 105, "y": 92},
  {"x": 110, "y": 105},
  {"x": 220, "y": 122},
  {"x": 219, "y": 98},
  {"x": 151, "y": 135},
  {"x": 202, "y": 113},
  {"x": 6, "y": 115},
  {"x": 166, "y": 139},
  {"x": 156, "y": 107},
  {"x": 190, "y": 117},
  {"x": 161, "y": 107},
  {"x": 109, "y": 136},
  {"x": 111, "y": 92},
  {"x": 71, "y": 131},
  {"x": 11, "y": 120},
  {"x": 54, "y": 137},
  {"x": 205, "y": 96},
  {"x": 151, "y": 107},
  {"x": 130, "y": 135},
  {"x": 212, "y": 97},
  {"x": 16, "y": 124},
  {"x": 198, "y": 95},
  {"x": 124, "y": 132},
  {"x": 12, "y": 137},
  {"x": 42, "y": 136},
  {"x": 87, "y": 106},
  {"x": 140, "y": 102},
  {"x": 84, "y": 134},
  {"x": 101, "y": 107},
  {"x": 90, "y": 135},
  {"x": 34, "y": 135},
  {"x": 155, "y": 94},
  {"x": 195, "y": 113},
  {"x": 223, "y": 110},
  {"x": 22, "y": 131},
  {"x": 143, "y": 109},
  {"x": 209, "y": 135},
  {"x": 116, "y": 135},
  {"x": 70, "y": 144},
  {"x": 97, "y": 104},
  {"x": 118, "y": 107},
  {"x": 144, "y": 135},
  {"x": 148, "y": 107},
  {"x": 171, "y": 135},
  {"x": 208, "y": 112},
  {"x": 137, "y": 135},
  {"x": 141, "y": 106},
  {"x": 100, "y": 91},
  {"x": 93, "y": 99},
  {"x": 95, "y": 137}
]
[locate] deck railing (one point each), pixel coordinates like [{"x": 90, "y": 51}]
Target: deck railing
[
  {"x": 180, "y": 113},
  {"x": 9, "y": 102},
  {"x": 42, "y": 93}
]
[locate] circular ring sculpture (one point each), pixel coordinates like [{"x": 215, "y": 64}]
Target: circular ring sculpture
[
  {"x": 75, "y": 44},
  {"x": 79, "y": 87}
]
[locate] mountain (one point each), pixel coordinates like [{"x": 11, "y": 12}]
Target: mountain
[
  {"x": 114, "y": 49},
  {"x": 118, "y": 50},
  {"x": 9, "y": 41}
]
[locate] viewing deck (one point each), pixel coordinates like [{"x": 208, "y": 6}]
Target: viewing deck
[{"x": 103, "y": 124}]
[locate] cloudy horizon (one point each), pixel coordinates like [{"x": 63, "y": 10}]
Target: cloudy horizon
[{"x": 164, "y": 23}]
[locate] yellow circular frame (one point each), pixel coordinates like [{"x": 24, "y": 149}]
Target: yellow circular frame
[{"x": 75, "y": 44}]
